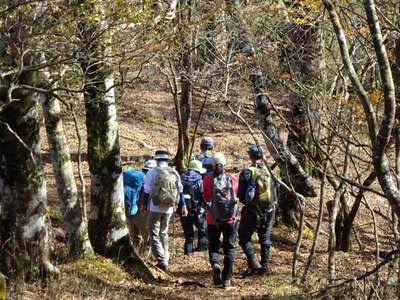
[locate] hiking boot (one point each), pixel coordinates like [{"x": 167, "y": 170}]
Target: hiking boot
[
  {"x": 264, "y": 270},
  {"x": 226, "y": 284},
  {"x": 162, "y": 266},
  {"x": 253, "y": 268},
  {"x": 248, "y": 272},
  {"x": 202, "y": 249},
  {"x": 216, "y": 274}
]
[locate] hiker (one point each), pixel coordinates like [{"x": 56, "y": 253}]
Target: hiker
[
  {"x": 193, "y": 212},
  {"x": 135, "y": 208},
  {"x": 163, "y": 188},
  {"x": 205, "y": 156},
  {"x": 258, "y": 193},
  {"x": 220, "y": 190}
]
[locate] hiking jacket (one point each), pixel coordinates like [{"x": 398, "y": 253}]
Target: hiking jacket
[
  {"x": 195, "y": 178},
  {"x": 207, "y": 194},
  {"x": 149, "y": 182}
]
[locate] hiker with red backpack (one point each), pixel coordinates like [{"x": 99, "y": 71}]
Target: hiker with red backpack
[
  {"x": 135, "y": 208},
  {"x": 257, "y": 191},
  {"x": 220, "y": 191},
  {"x": 163, "y": 188},
  {"x": 193, "y": 213}
]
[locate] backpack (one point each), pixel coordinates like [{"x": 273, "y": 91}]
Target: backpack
[
  {"x": 223, "y": 206},
  {"x": 165, "y": 190},
  {"x": 133, "y": 182},
  {"x": 206, "y": 161},
  {"x": 261, "y": 188},
  {"x": 189, "y": 191}
]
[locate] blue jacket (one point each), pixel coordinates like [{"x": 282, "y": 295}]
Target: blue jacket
[{"x": 193, "y": 177}]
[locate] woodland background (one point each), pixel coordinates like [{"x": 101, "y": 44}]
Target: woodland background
[{"x": 88, "y": 88}]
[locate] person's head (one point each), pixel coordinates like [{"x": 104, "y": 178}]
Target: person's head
[
  {"x": 206, "y": 143},
  {"x": 197, "y": 166},
  {"x": 255, "y": 152},
  {"x": 218, "y": 162},
  {"x": 162, "y": 155},
  {"x": 149, "y": 164}
]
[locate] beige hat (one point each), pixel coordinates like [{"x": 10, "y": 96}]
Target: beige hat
[{"x": 218, "y": 158}]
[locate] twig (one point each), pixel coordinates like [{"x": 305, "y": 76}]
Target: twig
[{"x": 388, "y": 258}]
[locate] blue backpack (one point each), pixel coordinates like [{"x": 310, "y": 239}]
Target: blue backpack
[{"x": 133, "y": 182}]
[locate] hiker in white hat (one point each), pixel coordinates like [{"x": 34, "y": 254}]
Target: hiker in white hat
[{"x": 163, "y": 187}]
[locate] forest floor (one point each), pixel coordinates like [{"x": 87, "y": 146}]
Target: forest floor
[{"x": 147, "y": 122}]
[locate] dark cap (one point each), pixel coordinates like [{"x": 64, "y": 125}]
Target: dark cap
[
  {"x": 207, "y": 142},
  {"x": 162, "y": 154},
  {"x": 255, "y": 152}
]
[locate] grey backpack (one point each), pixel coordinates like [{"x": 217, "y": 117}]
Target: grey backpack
[{"x": 223, "y": 206}]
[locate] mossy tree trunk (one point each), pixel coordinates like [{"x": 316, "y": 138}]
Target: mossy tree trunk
[
  {"x": 303, "y": 61},
  {"x": 24, "y": 227},
  {"x": 185, "y": 68},
  {"x": 75, "y": 224},
  {"x": 291, "y": 170},
  {"x": 25, "y": 232},
  {"x": 107, "y": 219},
  {"x": 108, "y": 231}
]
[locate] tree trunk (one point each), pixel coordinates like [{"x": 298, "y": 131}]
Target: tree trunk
[
  {"x": 24, "y": 227},
  {"x": 303, "y": 60},
  {"x": 291, "y": 170},
  {"x": 75, "y": 226},
  {"x": 108, "y": 231},
  {"x": 185, "y": 106},
  {"x": 185, "y": 68}
]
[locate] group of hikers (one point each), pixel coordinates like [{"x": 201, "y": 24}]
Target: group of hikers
[{"x": 205, "y": 196}]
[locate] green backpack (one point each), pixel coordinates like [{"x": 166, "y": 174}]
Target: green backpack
[
  {"x": 262, "y": 183},
  {"x": 165, "y": 191}
]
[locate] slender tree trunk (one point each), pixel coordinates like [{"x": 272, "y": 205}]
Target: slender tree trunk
[
  {"x": 379, "y": 133},
  {"x": 333, "y": 210},
  {"x": 75, "y": 225},
  {"x": 185, "y": 75}
]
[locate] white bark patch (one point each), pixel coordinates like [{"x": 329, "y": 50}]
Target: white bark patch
[
  {"x": 109, "y": 98},
  {"x": 35, "y": 224},
  {"x": 118, "y": 234},
  {"x": 94, "y": 213}
]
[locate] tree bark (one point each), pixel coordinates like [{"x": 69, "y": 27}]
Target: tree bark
[
  {"x": 24, "y": 227},
  {"x": 108, "y": 231},
  {"x": 303, "y": 60},
  {"x": 25, "y": 232},
  {"x": 75, "y": 226},
  {"x": 291, "y": 170}
]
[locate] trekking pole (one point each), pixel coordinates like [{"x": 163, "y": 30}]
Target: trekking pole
[{"x": 173, "y": 234}]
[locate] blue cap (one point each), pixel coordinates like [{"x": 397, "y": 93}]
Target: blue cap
[{"x": 207, "y": 142}]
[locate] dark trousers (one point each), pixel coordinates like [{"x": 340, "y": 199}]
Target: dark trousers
[
  {"x": 249, "y": 224},
  {"x": 199, "y": 221},
  {"x": 228, "y": 232}
]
